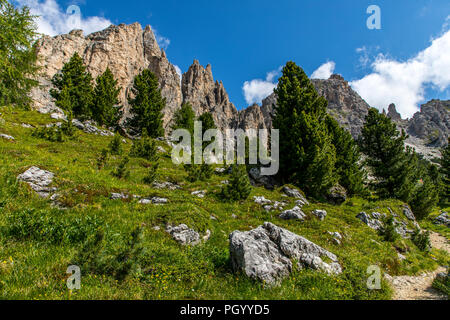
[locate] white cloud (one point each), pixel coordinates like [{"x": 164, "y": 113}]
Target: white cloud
[
  {"x": 257, "y": 89},
  {"x": 324, "y": 71},
  {"x": 163, "y": 42},
  {"x": 179, "y": 72},
  {"x": 55, "y": 20},
  {"x": 404, "y": 82}
]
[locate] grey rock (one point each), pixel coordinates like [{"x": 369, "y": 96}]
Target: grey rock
[
  {"x": 337, "y": 195},
  {"x": 408, "y": 213},
  {"x": 39, "y": 180},
  {"x": 184, "y": 235},
  {"x": 199, "y": 194},
  {"x": 321, "y": 214},
  {"x": 166, "y": 185},
  {"x": 261, "y": 200},
  {"x": 257, "y": 179},
  {"x": 372, "y": 223},
  {"x": 265, "y": 254},
  {"x": 118, "y": 196},
  {"x": 7, "y": 137},
  {"x": 442, "y": 219},
  {"x": 294, "y": 214}
]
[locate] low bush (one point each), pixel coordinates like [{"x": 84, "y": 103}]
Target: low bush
[{"x": 49, "y": 227}]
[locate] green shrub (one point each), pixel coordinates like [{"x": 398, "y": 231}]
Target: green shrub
[
  {"x": 44, "y": 226},
  {"x": 421, "y": 240},
  {"x": 52, "y": 134},
  {"x": 145, "y": 148},
  {"x": 115, "y": 146},
  {"x": 388, "y": 231},
  {"x": 198, "y": 172},
  {"x": 102, "y": 159},
  {"x": 239, "y": 187},
  {"x": 106, "y": 258},
  {"x": 121, "y": 171},
  {"x": 443, "y": 284},
  {"x": 151, "y": 174}
]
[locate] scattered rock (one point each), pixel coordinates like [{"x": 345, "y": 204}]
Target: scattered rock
[
  {"x": 442, "y": 219},
  {"x": 294, "y": 214},
  {"x": 220, "y": 170},
  {"x": 154, "y": 200},
  {"x": 266, "y": 254},
  {"x": 7, "y": 137},
  {"x": 262, "y": 201},
  {"x": 207, "y": 235},
  {"x": 401, "y": 257},
  {"x": 161, "y": 149},
  {"x": 321, "y": 214},
  {"x": 118, "y": 196},
  {"x": 408, "y": 213},
  {"x": 337, "y": 195},
  {"x": 184, "y": 235},
  {"x": 58, "y": 116},
  {"x": 26, "y": 125},
  {"x": 166, "y": 185},
  {"x": 234, "y": 216},
  {"x": 39, "y": 180},
  {"x": 199, "y": 194},
  {"x": 257, "y": 179},
  {"x": 372, "y": 223}
]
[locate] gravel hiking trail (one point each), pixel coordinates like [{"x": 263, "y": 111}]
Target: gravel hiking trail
[{"x": 420, "y": 287}]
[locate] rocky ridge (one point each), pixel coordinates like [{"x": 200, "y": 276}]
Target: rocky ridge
[{"x": 128, "y": 49}]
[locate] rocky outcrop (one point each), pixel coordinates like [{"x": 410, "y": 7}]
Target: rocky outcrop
[
  {"x": 39, "y": 180},
  {"x": 266, "y": 254},
  {"x": 432, "y": 123},
  {"x": 206, "y": 95},
  {"x": 393, "y": 114},
  {"x": 125, "y": 49},
  {"x": 344, "y": 104},
  {"x": 184, "y": 235}
]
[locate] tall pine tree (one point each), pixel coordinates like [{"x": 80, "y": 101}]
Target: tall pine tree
[
  {"x": 17, "y": 54},
  {"x": 146, "y": 105},
  {"x": 184, "y": 118},
  {"x": 348, "y": 168},
  {"x": 445, "y": 170},
  {"x": 78, "y": 83},
  {"x": 106, "y": 99},
  {"x": 393, "y": 167},
  {"x": 307, "y": 155}
]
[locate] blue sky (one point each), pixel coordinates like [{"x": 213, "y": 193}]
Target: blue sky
[{"x": 245, "y": 40}]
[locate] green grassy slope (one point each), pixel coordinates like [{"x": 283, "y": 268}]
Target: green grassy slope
[{"x": 38, "y": 242}]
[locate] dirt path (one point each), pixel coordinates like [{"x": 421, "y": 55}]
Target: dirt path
[{"x": 420, "y": 287}]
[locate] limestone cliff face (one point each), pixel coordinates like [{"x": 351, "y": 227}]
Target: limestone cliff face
[
  {"x": 125, "y": 49},
  {"x": 432, "y": 123},
  {"x": 128, "y": 49},
  {"x": 206, "y": 95}
]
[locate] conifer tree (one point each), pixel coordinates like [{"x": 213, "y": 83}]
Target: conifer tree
[
  {"x": 307, "y": 156},
  {"x": 78, "y": 82},
  {"x": 146, "y": 105},
  {"x": 106, "y": 99},
  {"x": 350, "y": 173},
  {"x": 393, "y": 167},
  {"x": 17, "y": 54},
  {"x": 445, "y": 170},
  {"x": 239, "y": 187},
  {"x": 184, "y": 118}
]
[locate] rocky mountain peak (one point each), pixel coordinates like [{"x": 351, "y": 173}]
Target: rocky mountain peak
[
  {"x": 393, "y": 114},
  {"x": 206, "y": 95},
  {"x": 125, "y": 49},
  {"x": 432, "y": 123}
]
